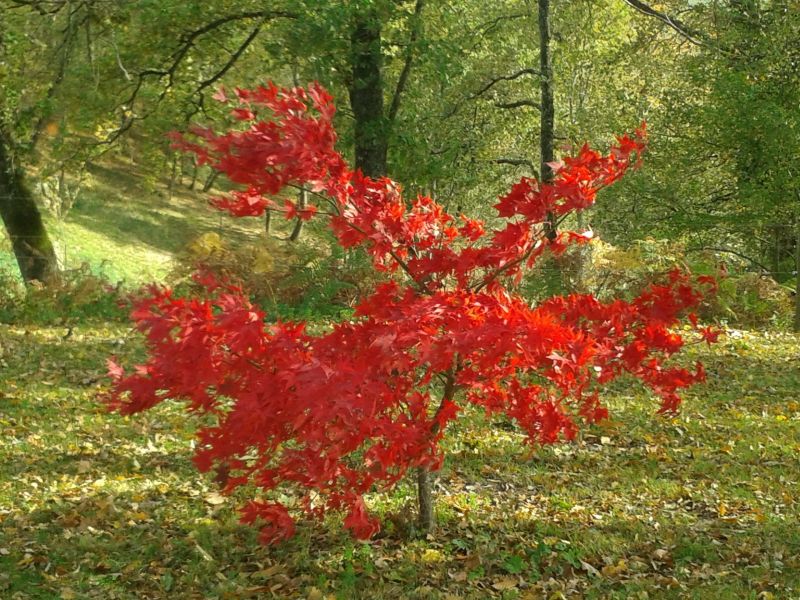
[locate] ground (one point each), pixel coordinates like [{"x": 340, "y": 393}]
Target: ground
[
  {"x": 704, "y": 505},
  {"x": 93, "y": 505}
]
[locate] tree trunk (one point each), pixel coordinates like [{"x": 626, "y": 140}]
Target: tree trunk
[
  {"x": 194, "y": 174},
  {"x": 797, "y": 274},
  {"x": 173, "y": 176},
  {"x": 426, "y": 520},
  {"x": 302, "y": 200},
  {"x": 546, "y": 131},
  {"x": 23, "y": 222},
  {"x": 210, "y": 180},
  {"x": 366, "y": 94}
]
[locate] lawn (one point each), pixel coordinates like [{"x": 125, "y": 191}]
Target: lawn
[
  {"x": 704, "y": 505},
  {"x": 128, "y": 228}
]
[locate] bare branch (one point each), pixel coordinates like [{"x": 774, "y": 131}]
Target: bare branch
[
  {"x": 519, "y": 104},
  {"x": 500, "y": 78},
  {"x": 749, "y": 259},
  {"x": 232, "y": 60},
  {"x": 695, "y": 36},
  {"x": 403, "y": 79},
  {"x": 516, "y": 162},
  {"x": 186, "y": 43}
]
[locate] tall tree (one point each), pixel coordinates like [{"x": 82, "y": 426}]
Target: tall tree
[{"x": 23, "y": 222}]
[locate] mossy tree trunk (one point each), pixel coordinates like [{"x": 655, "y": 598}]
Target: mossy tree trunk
[
  {"x": 547, "y": 123},
  {"x": 366, "y": 94},
  {"x": 23, "y": 222}
]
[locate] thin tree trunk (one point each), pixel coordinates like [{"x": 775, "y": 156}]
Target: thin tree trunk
[
  {"x": 210, "y": 181},
  {"x": 302, "y": 200},
  {"x": 23, "y": 222},
  {"x": 797, "y": 273},
  {"x": 173, "y": 175},
  {"x": 547, "y": 126},
  {"x": 425, "y": 517},
  {"x": 267, "y": 221},
  {"x": 366, "y": 94},
  {"x": 425, "y": 500},
  {"x": 194, "y": 174}
]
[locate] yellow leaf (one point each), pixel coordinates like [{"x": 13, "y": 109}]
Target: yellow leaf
[
  {"x": 314, "y": 594},
  {"x": 215, "y": 498},
  {"x": 431, "y": 556},
  {"x": 505, "y": 583},
  {"x": 614, "y": 570}
]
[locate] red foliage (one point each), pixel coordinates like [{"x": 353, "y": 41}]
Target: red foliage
[{"x": 331, "y": 417}]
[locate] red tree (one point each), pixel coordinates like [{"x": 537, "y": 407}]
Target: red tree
[{"x": 333, "y": 416}]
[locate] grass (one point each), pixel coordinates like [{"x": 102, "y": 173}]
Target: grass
[
  {"x": 93, "y": 505},
  {"x": 128, "y": 228},
  {"x": 705, "y": 505}
]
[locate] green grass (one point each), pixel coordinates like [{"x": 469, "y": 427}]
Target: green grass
[
  {"x": 128, "y": 229},
  {"x": 701, "y": 506},
  {"x": 93, "y": 505}
]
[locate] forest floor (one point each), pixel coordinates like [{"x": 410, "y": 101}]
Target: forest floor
[
  {"x": 703, "y": 505},
  {"x": 93, "y": 505}
]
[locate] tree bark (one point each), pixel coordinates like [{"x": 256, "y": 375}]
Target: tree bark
[
  {"x": 796, "y": 324},
  {"x": 302, "y": 201},
  {"x": 426, "y": 519},
  {"x": 210, "y": 180},
  {"x": 547, "y": 125},
  {"x": 23, "y": 222},
  {"x": 366, "y": 94}
]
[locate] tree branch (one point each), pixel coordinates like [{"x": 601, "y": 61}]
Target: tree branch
[
  {"x": 186, "y": 43},
  {"x": 499, "y": 78},
  {"x": 752, "y": 261},
  {"x": 519, "y": 104},
  {"x": 695, "y": 36},
  {"x": 516, "y": 162},
  {"x": 232, "y": 60},
  {"x": 403, "y": 79}
]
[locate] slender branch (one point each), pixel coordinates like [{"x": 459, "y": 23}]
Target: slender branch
[
  {"x": 483, "y": 29},
  {"x": 735, "y": 253},
  {"x": 128, "y": 76},
  {"x": 186, "y": 43},
  {"x": 232, "y": 60},
  {"x": 519, "y": 104},
  {"x": 516, "y": 162},
  {"x": 403, "y": 79},
  {"x": 509, "y": 265},
  {"x": 487, "y": 86},
  {"x": 695, "y": 36}
]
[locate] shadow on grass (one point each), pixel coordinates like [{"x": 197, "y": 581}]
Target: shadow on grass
[{"x": 121, "y": 210}]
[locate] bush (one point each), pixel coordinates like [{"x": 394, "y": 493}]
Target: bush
[
  {"x": 751, "y": 300},
  {"x": 289, "y": 280},
  {"x": 78, "y": 295},
  {"x": 744, "y": 299}
]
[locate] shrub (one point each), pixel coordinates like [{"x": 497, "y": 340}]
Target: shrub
[
  {"x": 287, "y": 280},
  {"x": 316, "y": 421},
  {"x": 77, "y": 295}
]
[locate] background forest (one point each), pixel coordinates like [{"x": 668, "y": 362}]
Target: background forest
[{"x": 456, "y": 100}]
